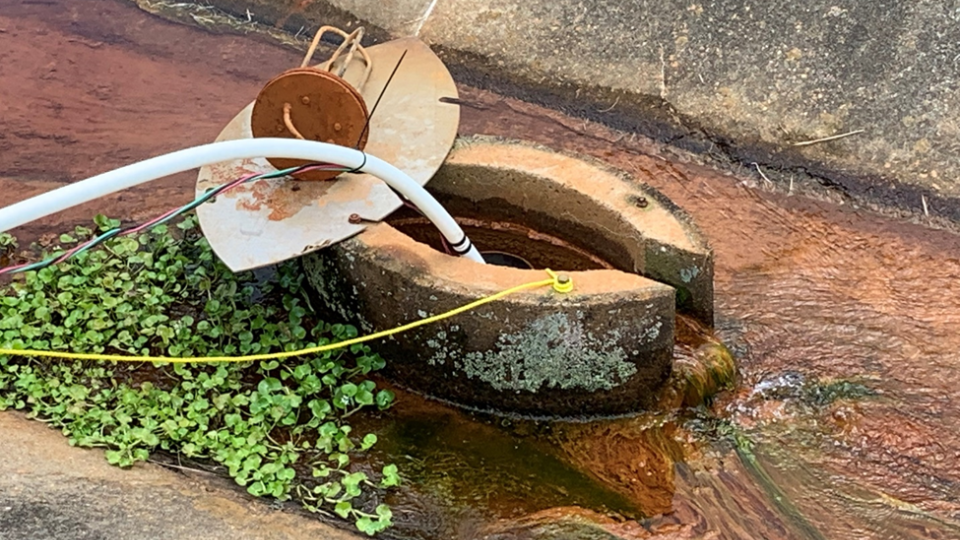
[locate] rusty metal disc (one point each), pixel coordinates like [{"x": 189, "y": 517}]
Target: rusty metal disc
[
  {"x": 322, "y": 107},
  {"x": 271, "y": 220}
]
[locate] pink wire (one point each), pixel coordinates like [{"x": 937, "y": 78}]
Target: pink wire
[
  {"x": 148, "y": 224},
  {"x": 12, "y": 268}
]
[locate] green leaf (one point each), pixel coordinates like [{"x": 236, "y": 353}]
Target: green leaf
[
  {"x": 390, "y": 476},
  {"x": 286, "y": 474},
  {"x": 349, "y": 389},
  {"x": 343, "y": 509},
  {"x": 368, "y": 441},
  {"x": 383, "y": 512},
  {"x": 385, "y": 399},
  {"x": 353, "y": 479},
  {"x": 157, "y": 291},
  {"x": 366, "y": 525},
  {"x": 364, "y": 397},
  {"x": 104, "y": 223},
  {"x": 269, "y": 366},
  {"x": 268, "y": 385},
  {"x": 114, "y": 457}
]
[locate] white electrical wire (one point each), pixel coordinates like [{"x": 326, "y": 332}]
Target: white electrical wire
[{"x": 192, "y": 158}]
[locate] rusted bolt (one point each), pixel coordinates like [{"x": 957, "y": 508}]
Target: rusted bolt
[
  {"x": 305, "y": 100},
  {"x": 337, "y": 126},
  {"x": 355, "y": 219}
]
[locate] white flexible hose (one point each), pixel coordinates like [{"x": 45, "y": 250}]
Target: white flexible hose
[{"x": 192, "y": 158}]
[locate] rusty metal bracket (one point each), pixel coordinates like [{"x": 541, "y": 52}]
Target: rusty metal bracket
[{"x": 268, "y": 221}]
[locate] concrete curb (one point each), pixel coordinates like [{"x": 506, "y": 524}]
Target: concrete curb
[
  {"x": 50, "y": 489},
  {"x": 742, "y": 83}
]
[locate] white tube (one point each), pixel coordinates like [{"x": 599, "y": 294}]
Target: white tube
[{"x": 192, "y": 158}]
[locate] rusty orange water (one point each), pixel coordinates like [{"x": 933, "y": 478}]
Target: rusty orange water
[
  {"x": 845, "y": 324},
  {"x": 812, "y": 293}
]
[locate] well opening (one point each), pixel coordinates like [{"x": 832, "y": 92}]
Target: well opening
[
  {"x": 508, "y": 242},
  {"x": 503, "y": 212}
]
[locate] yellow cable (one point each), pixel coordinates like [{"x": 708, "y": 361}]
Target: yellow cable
[{"x": 561, "y": 284}]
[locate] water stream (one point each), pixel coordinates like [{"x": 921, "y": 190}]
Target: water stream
[{"x": 846, "y": 420}]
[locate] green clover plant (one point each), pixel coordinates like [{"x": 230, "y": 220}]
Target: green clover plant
[{"x": 164, "y": 293}]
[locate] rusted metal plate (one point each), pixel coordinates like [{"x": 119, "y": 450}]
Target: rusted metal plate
[
  {"x": 269, "y": 221},
  {"x": 318, "y": 105}
]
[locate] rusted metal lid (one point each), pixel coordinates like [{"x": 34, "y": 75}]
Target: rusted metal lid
[
  {"x": 312, "y": 104},
  {"x": 268, "y": 221}
]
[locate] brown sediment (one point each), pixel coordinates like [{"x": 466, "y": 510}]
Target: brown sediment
[
  {"x": 581, "y": 522},
  {"x": 86, "y": 90},
  {"x": 634, "y": 460},
  {"x": 829, "y": 290}
]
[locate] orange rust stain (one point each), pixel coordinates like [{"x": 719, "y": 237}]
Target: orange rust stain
[
  {"x": 224, "y": 173},
  {"x": 637, "y": 463},
  {"x": 283, "y": 200},
  {"x": 283, "y": 197}
]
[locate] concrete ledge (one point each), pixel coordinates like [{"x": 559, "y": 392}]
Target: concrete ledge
[
  {"x": 49, "y": 489},
  {"x": 742, "y": 81}
]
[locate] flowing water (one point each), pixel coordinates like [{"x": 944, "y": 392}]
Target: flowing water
[{"x": 846, "y": 419}]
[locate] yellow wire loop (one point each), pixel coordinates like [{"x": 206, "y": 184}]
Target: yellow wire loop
[{"x": 560, "y": 283}]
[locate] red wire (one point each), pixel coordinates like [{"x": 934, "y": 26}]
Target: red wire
[{"x": 66, "y": 255}]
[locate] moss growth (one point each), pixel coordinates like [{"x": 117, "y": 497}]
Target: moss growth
[
  {"x": 702, "y": 366},
  {"x": 821, "y": 394}
]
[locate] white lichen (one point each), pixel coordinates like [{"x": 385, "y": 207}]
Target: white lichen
[
  {"x": 554, "y": 351},
  {"x": 687, "y": 274}
]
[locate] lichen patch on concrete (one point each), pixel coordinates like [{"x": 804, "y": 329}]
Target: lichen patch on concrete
[
  {"x": 687, "y": 274},
  {"x": 554, "y": 351}
]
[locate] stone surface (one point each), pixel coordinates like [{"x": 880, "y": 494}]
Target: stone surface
[
  {"x": 606, "y": 211},
  {"x": 740, "y": 80},
  {"x": 603, "y": 349},
  {"x": 400, "y": 17},
  {"x": 752, "y": 72},
  {"x": 49, "y": 489}
]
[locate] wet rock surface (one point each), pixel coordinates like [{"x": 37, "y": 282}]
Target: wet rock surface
[
  {"x": 51, "y": 490},
  {"x": 535, "y": 354}
]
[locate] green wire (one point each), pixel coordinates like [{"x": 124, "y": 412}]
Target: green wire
[{"x": 209, "y": 194}]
